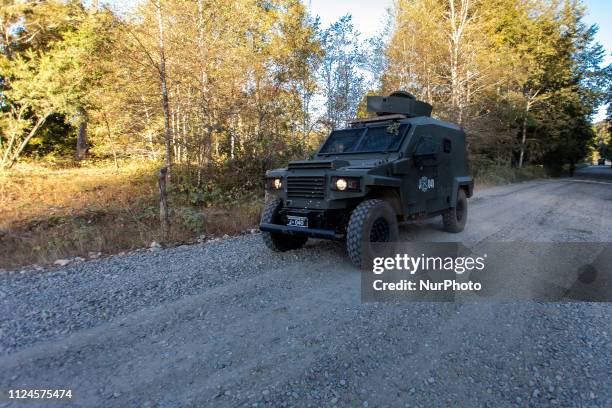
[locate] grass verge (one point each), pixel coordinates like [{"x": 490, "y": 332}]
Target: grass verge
[
  {"x": 499, "y": 174},
  {"x": 49, "y": 214}
]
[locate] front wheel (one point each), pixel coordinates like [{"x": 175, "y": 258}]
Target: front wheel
[
  {"x": 276, "y": 241},
  {"x": 455, "y": 218},
  {"x": 372, "y": 221}
]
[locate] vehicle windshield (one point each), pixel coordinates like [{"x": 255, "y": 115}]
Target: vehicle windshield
[{"x": 363, "y": 140}]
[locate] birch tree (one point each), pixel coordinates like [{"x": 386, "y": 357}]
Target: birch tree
[{"x": 341, "y": 72}]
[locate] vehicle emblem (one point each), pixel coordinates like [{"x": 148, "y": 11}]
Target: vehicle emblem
[{"x": 425, "y": 183}]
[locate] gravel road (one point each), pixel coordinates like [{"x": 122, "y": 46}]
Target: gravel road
[{"x": 228, "y": 323}]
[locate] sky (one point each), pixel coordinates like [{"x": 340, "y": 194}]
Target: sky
[
  {"x": 600, "y": 13},
  {"x": 369, "y": 16}
]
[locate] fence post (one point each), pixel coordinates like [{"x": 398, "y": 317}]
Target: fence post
[{"x": 164, "y": 217}]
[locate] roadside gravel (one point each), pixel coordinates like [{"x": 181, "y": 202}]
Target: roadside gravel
[{"x": 40, "y": 304}]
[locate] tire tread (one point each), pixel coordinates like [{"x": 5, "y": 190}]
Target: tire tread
[
  {"x": 275, "y": 241},
  {"x": 354, "y": 234}
]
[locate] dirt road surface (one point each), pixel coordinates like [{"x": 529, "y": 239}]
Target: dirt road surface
[{"x": 228, "y": 323}]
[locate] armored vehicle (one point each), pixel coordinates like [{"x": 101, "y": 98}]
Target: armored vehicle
[{"x": 399, "y": 165}]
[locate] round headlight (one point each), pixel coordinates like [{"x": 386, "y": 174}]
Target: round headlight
[
  {"x": 277, "y": 183},
  {"x": 341, "y": 184}
]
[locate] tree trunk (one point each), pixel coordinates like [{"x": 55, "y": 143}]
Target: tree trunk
[
  {"x": 164, "y": 87},
  {"x": 7, "y": 151},
  {"x": 185, "y": 149},
  {"x": 25, "y": 141},
  {"x": 164, "y": 217},
  {"x": 110, "y": 139},
  {"x": 523, "y": 140},
  {"x": 149, "y": 133},
  {"x": 524, "y": 133},
  {"x": 458, "y": 21},
  {"x": 81, "y": 146}
]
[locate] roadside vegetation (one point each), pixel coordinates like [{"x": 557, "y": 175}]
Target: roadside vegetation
[
  {"x": 94, "y": 101},
  {"x": 499, "y": 174},
  {"x": 62, "y": 213}
]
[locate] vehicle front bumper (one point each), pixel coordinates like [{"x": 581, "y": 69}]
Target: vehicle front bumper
[{"x": 291, "y": 230}]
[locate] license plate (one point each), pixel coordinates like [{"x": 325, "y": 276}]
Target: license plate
[{"x": 295, "y": 221}]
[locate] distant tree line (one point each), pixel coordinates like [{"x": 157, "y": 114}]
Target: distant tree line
[
  {"x": 238, "y": 86},
  {"x": 523, "y": 77}
]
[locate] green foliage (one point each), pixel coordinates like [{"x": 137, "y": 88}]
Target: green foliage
[
  {"x": 222, "y": 186},
  {"x": 394, "y": 128},
  {"x": 146, "y": 213},
  {"x": 191, "y": 218},
  {"x": 523, "y": 78},
  {"x": 56, "y": 137},
  {"x": 47, "y": 72},
  {"x": 498, "y": 173},
  {"x": 341, "y": 72}
]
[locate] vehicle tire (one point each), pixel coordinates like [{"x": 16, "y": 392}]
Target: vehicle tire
[
  {"x": 454, "y": 219},
  {"x": 371, "y": 221},
  {"x": 277, "y": 241}
]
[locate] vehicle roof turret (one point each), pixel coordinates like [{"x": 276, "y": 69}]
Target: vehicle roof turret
[{"x": 398, "y": 102}]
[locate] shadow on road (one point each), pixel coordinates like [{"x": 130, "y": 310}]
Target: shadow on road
[{"x": 595, "y": 173}]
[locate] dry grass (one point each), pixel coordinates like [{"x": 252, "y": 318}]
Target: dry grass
[
  {"x": 48, "y": 214},
  {"x": 494, "y": 175}
]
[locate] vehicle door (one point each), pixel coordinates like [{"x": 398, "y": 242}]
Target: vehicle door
[{"x": 426, "y": 178}]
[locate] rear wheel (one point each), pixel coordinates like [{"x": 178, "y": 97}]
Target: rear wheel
[
  {"x": 372, "y": 221},
  {"x": 276, "y": 241},
  {"x": 455, "y": 218}
]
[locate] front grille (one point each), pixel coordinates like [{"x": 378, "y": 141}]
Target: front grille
[{"x": 305, "y": 187}]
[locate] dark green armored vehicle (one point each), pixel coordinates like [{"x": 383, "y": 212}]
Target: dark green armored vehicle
[{"x": 397, "y": 166}]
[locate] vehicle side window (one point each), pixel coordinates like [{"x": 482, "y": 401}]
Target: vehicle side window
[
  {"x": 426, "y": 146},
  {"x": 447, "y": 145}
]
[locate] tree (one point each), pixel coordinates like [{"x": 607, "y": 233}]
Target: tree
[
  {"x": 163, "y": 84},
  {"x": 46, "y": 69},
  {"x": 525, "y": 38},
  {"x": 495, "y": 66},
  {"x": 440, "y": 51},
  {"x": 605, "y": 143},
  {"x": 239, "y": 79},
  {"x": 573, "y": 82},
  {"x": 341, "y": 72}
]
